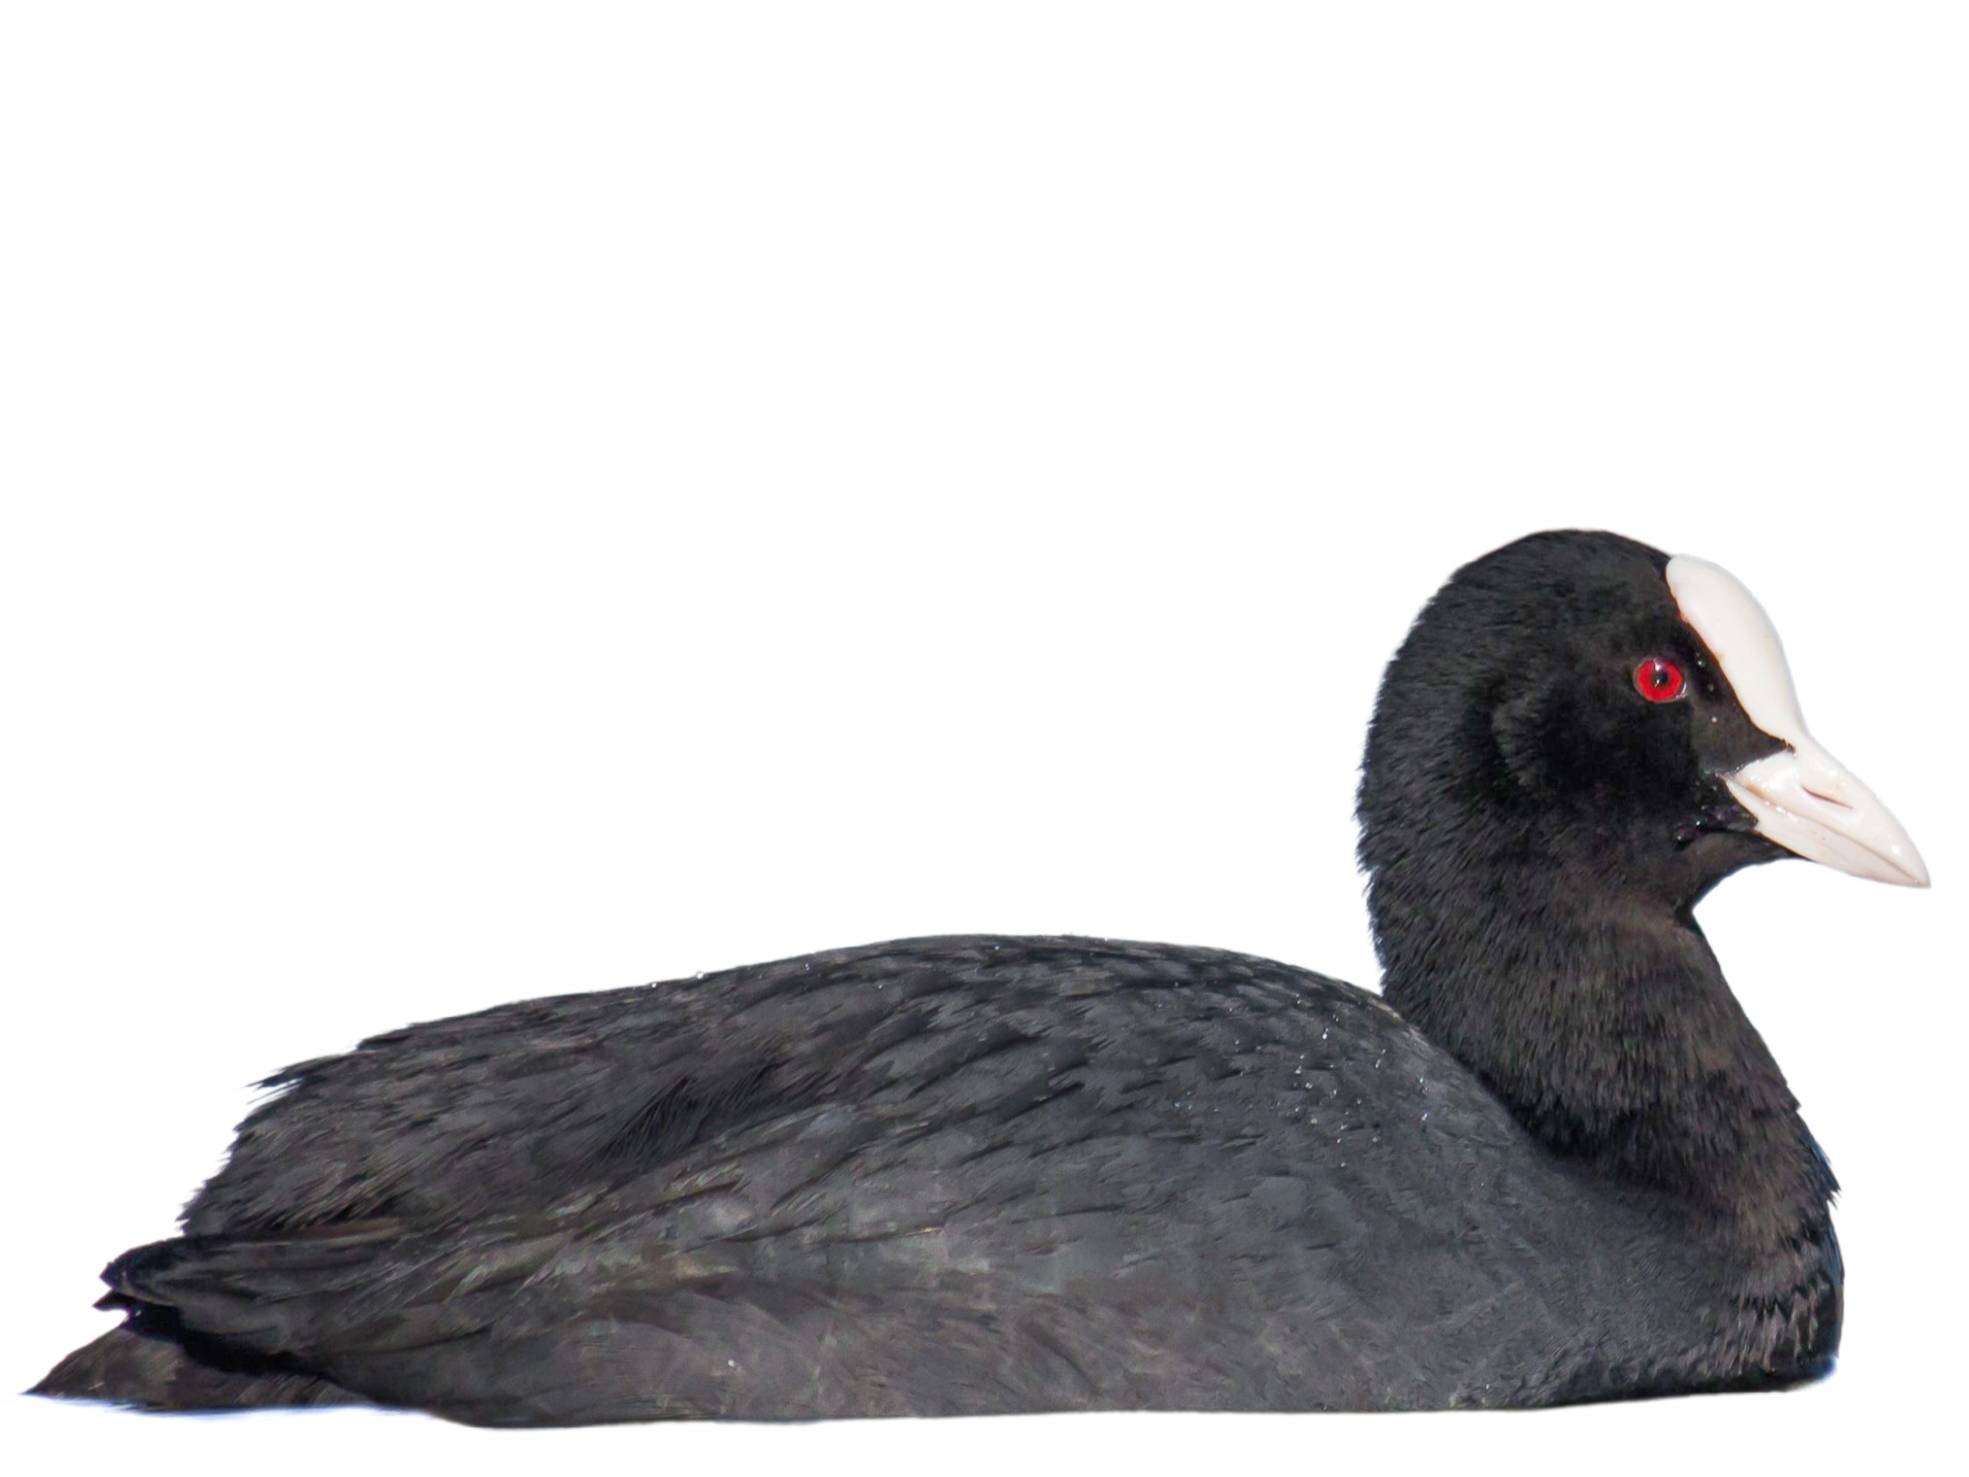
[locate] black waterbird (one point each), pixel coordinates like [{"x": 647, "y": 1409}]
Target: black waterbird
[{"x": 1555, "y": 1162}]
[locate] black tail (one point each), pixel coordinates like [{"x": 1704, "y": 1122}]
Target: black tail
[{"x": 154, "y": 1362}]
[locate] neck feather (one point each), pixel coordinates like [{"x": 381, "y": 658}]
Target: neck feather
[{"x": 1611, "y": 1033}]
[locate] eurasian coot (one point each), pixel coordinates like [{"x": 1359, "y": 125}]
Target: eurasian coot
[{"x": 1553, "y": 1162}]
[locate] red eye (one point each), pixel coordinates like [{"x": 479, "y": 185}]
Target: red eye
[{"x": 1659, "y": 680}]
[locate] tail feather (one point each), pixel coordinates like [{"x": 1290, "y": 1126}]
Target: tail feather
[{"x": 150, "y": 1361}]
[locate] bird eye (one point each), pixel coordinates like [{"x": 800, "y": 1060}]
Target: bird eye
[{"x": 1659, "y": 680}]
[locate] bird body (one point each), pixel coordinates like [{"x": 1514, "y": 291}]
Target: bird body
[
  {"x": 944, "y": 1176},
  {"x": 978, "y": 1174}
]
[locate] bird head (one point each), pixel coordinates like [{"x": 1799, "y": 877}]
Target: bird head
[{"x": 1580, "y": 709}]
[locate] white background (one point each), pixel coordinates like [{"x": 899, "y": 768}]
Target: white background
[{"x": 503, "y": 500}]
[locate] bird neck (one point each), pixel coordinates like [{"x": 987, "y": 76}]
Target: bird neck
[{"x": 1609, "y": 1030}]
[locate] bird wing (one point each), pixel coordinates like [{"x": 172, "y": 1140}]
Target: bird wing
[
  {"x": 532, "y": 1320},
  {"x": 552, "y": 1100},
  {"x": 945, "y": 1175}
]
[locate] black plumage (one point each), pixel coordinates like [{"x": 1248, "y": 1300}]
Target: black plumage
[{"x": 980, "y": 1174}]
